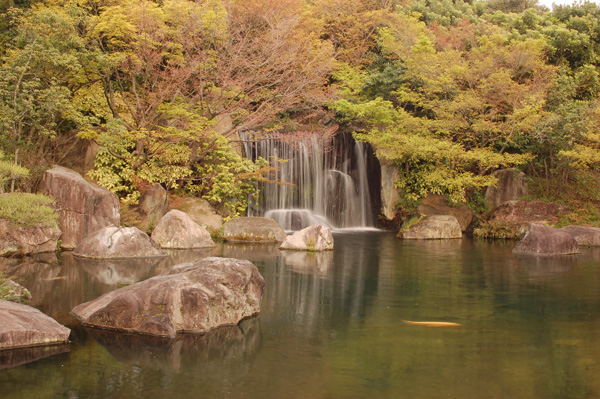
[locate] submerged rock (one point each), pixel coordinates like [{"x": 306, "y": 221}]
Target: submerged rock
[
  {"x": 83, "y": 207},
  {"x": 433, "y": 227},
  {"x": 311, "y": 238},
  {"x": 26, "y": 240},
  {"x": 177, "y": 230},
  {"x": 253, "y": 229},
  {"x": 545, "y": 240},
  {"x": 118, "y": 242},
  {"x": 190, "y": 297},
  {"x": 585, "y": 236},
  {"x": 22, "y": 326}
]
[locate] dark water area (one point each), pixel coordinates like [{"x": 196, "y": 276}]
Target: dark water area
[{"x": 331, "y": 326}]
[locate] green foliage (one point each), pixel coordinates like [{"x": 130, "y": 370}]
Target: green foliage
[
  {"x": 28, "y": 209},
  {"x": 225, "y": 179},
  {"x": 9, "y": 172},
  {"x": 407, "y": 225},
  {"x": 497, "y": 230}
]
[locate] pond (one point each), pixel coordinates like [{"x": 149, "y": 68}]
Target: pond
[{"x": 332, "y": 325}]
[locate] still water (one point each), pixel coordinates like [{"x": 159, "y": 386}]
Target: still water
[{"x": 331, "y": 326}]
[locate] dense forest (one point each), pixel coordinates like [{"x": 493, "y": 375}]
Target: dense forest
[{"x": 447, "y": 91}]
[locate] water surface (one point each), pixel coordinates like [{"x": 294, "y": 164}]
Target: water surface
[{"x": 331, "y": 326}]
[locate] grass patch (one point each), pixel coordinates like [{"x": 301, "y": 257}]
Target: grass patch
[
  {"x": 495, "y": 230},
  {"x": 407, "y": 225},
  {"x": 28, "y": 209}
]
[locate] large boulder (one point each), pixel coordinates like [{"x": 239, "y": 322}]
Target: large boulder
[
  {"x": 311, "y": 238},
  {"x": 22, "y": 326},
  {"x": 153, "y": 205},
  {"x": 545, "y": 240},
  {"x": 116, "y": 243},
  {"x": 83, "y": 207},
  {"x": 177, "y": 230},
  {"x": 200, "y": 211},
  {"x": 253, "y": 229},
  {"x": 518, "y": 215},
  {"x": 434, "y": 227},
  {"x": 438, "y": 205},
  {"x": 190, "y": 297},
  {"x": 26, "y": 240},
  {"x": 512, "y": 184},
  {"x": 585, "y": 236}
]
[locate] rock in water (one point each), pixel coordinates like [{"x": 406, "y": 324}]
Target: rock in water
[
  {"x": 545, "y": 240},
  {"x": 118, "y": 242},
  {"x": 190, "y": 297},
  {"x": 83, "y": 207},
  {"x": 585, "y": 236},
  {"x": 434, "y": 227},
  {"x": 253, "y": 229},
  {"x": 26, "y": 240},
  {"x": 22, "y": 326},
  {"x": 311, "y": 238},
  {"x": 177, "y": 230}
]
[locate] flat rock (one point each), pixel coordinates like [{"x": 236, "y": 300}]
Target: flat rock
[
  {"x": 190, "y": 297},
  {"x": 253, "y": 229},
  {"x": 83, "y": 207},
  {"x": 311, "y": 238},
  {"x": 585, "y": 236},
  {"x": 177, "y": 230},
  {"x": 23, "y": 326},
  {"x": 118, "y": 242},
  {"x": 433, "y": 227},
  {"x": 545, "y": 240},
  {"x": 26, "y": 240}
]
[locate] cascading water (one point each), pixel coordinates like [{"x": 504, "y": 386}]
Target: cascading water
[{"x": 322, "y": 180}]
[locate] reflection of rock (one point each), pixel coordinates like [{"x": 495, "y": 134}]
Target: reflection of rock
[
  {"x": 433, "y": 228},
  {"x": 252, "y": 252},
  {"x": 541, "y": 267},
  {"x": 58, "y": 287},
  {"x": 16, "y": 357},
  {"x": 232, "y": 345},
  {"x": 25, "y": 240},
  {"x": 118, "y": 243},
  {"x": 309, "y": 262},
  {"x": 311, "y": 238},
  {"x": 176, "y": 256},
  {"x": 22, "y": 326},
  {"x": 177, "y": 230},
  {"x": 83, "y": 207},
  {"x": 191, "y": 297},
  {"x": 545, "y": 240},
  {"x": 253, "y": 229}
]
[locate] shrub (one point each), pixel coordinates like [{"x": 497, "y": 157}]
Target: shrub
[{"x": 28, "y": 209}]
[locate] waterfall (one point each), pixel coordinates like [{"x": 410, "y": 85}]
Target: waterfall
[{"x": 321, "y": 180}]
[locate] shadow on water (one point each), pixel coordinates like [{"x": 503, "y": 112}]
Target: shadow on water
[
  {"x": 228, "y": 347},
  {"x": 16, "y": 357}
]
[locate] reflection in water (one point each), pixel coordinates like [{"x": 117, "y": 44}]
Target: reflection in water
[
  {"x": 331, "y": 327},
  {"x": 16, "y": 357},
  {"x": 230, "y": 347},
  {"x": 309, "y": 262}
]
